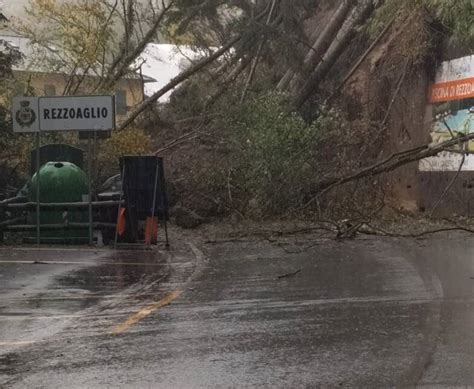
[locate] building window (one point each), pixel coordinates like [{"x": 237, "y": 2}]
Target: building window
[
  {"x": 121, "y": 102},
  {"x": 50, "y": 90}
]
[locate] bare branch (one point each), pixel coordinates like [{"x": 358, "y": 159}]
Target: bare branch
[
  {"x": 390, "y": 163},
  {"x": 121, "y": 65},
  {"x": 183, "y": 76}
]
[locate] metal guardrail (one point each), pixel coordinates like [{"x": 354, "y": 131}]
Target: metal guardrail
[
  {"x": 49, "y": 206},
  {"x": 64, "y": 226},
  {"x": 14, "y": 205},
  {"x": 13, "y": 200}
]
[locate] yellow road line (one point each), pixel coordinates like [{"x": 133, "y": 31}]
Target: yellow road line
[
  {"x": 18, "y": 343},
  {"x": 83, "y": 297},
  {"x": 78, "y": 248},
  {"x": 89, "y": 316},
  {"x": 11, "y": 318},
  {"x": 140, "y": 315}
]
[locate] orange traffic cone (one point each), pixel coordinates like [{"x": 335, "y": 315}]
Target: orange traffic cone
[
  {"x": 121, "y": 222},
  {"x": 151, "y": 230}
]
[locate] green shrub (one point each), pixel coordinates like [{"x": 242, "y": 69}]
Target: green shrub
[
  {"x": 455, "y": 15},
  {"x": 274, "y": 155}
]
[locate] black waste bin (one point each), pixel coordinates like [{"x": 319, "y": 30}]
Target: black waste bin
[{"x": 139, "y": 176}]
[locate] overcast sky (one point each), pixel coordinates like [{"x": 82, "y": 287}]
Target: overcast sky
[{"x": 13, "y": 7}]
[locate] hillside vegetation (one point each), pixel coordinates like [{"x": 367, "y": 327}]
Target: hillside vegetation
[{"x": 294, "y": 109}]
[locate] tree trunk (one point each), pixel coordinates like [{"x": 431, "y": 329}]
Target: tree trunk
[
  {"x": 339, "y": 44},
  {"x": 321, "y": 43}
]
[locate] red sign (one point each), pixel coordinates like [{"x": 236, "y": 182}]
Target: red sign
[{"x": 452, "y": 90}]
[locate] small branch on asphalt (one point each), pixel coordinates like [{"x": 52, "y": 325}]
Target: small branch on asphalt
[
  {"x": 306, "y": 230},
  {"x": 350, "y": 231},
  {"x": 289, "y": 274},
  {"x": 380, "y": 231},
  {"x": 219, "y": 241}
]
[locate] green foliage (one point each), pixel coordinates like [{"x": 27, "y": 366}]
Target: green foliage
[
  {"x": 9, "y": 56},
  {"x": 456, "y": 15},
  {"x": 201, "y": 24},
  {"x": 10, "y": 145},
  {"x": 188, "y": 99},
  {"x": 210, "y": 23},
  {"x": 70, "y": 37},
  {"x": 273, "y": 162}
]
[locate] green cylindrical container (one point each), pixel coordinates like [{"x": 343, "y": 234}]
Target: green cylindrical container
[{"x": 60, "y": 182}]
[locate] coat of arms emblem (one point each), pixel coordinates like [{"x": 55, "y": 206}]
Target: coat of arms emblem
[{"x": 25, "y": 116}]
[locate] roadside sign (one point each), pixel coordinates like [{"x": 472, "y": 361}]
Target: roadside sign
[
  {"x": 63, "y": 113},
  {"x": 77, "y": 113},
  {"x": 25, "y": 114}
]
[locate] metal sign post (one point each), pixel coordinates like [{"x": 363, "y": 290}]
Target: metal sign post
[
  {"x": 165, "y": 213},
  {"x": 89, "y": 197},
  {"x": 155, "y": 188},
  {"x": 38, "y": 186},
  {"x": 119, "y": 209}
]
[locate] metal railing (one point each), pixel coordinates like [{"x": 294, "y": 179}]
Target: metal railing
[{"x": 11, "y": 220}]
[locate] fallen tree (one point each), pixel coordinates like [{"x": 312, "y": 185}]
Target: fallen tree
[
  {"x": 391, "y": 163},
  {"x": 183, "y": 76}
]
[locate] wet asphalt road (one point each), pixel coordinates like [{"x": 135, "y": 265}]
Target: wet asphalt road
[{"x": 372, "y": 312}]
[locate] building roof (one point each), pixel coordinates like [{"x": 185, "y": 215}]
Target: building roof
[{"x": 46, "y": 58}]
